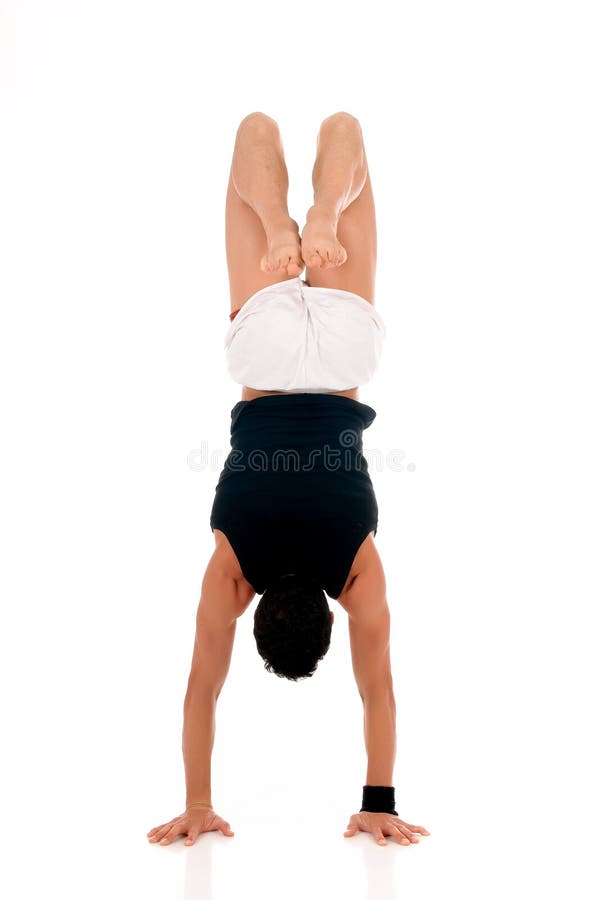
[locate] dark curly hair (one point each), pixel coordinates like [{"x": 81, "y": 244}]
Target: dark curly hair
[{"x": 292, "y": 626}]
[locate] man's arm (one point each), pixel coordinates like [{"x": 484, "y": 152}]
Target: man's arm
[
  {"x": 223, "y": 599},
  {"x": 369, "y": 630}
]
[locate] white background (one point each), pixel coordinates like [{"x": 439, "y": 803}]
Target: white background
[{"x": 482, "y": 127}]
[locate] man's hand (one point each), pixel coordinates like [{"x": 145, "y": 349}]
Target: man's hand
[
  {"x": 380, "y": 824},
  {"x": 192, "y": 823}
]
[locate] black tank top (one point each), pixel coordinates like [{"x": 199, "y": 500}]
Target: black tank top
[{"x": 294, "y": 494}]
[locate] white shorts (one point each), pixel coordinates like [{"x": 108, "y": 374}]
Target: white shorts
[{"x": 293, "y": 337}]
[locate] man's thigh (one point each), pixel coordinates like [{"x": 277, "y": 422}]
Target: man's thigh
[
  {"x": 357, "y": 233},
  {"x": 246, "y": 243}
]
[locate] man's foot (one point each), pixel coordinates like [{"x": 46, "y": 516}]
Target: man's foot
[
  {"x": 320, "y": 248},
  {"x": 284, "y": 250}
]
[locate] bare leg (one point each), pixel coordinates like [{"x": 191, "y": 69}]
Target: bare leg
[
  {"x": 341, "y": 165},
  {"x": 260, "y": 178}
]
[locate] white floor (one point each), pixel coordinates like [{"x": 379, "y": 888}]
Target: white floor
[
  {"x": 500, "y": 841},
  {"x": 487, "y": 762}
]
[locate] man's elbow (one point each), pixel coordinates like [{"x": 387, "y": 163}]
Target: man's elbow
[
  {"x": 378, "y": 690},
  {"x": 201, "y": 689}
]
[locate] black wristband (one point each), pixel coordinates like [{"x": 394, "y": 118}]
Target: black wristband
[{"x": 378, "y": 799}]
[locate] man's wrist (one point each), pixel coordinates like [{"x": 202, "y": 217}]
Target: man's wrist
[{"x": 378, "y": 798}]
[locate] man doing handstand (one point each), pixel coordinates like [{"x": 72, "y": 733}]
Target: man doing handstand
[{"x": 295, "y": 515}]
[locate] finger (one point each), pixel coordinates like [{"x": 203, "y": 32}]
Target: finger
[
  {"x": 224, "y": 827},
  {"x": 352, "y": 829},
  {"x": 192, "y": 836},
  {"x": 173, "y": 832},
  {"x": 402, "y": 836},
  {"x": 160, "y": 831},
  {"x": 399, "y": 836},
  {"x": 405, "y": 830},
  {"x": 379, "y": 836},
  {"x": 154, "y": 831},
  {"x": 416, "y": 828}
]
